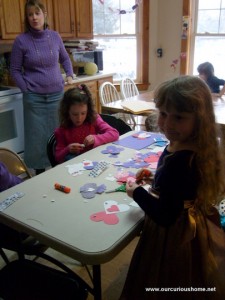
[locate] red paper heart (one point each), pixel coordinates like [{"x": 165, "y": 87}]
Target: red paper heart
[
  {"x": 113, "y": 208},
  {"x": 110, "y": 219}
]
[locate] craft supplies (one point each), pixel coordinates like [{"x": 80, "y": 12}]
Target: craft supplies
[
  {"x": 10, "y": 200},
  {"x": 144, "y": 174},
  {"x": 99, "y": 168},
  {"x": 62, "y": 188},
  {"x": 121, "y": 188}
]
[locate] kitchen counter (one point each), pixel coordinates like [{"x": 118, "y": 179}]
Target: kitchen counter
[
  {"x": 93, "y": 82},
  {"x": 97, "y": 76}
]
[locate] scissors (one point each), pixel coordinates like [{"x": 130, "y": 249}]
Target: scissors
[{"x": 121, "y": 188}]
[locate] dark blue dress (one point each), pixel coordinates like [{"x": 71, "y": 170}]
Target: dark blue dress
[{"x": 176, "y": 247}]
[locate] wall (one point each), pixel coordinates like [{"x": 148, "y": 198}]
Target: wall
[{"x": 165, "y": 32}]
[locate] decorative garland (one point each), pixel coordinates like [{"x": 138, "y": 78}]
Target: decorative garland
[{"x": 123, "y": 11}]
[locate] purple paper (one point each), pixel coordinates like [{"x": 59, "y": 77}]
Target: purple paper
[
  {"x": 89, "y": 190},
  {"x": 112, "y": 150},
  {"x": 133, "y": 142}
]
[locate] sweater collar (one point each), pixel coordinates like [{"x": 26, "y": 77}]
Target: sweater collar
[{"x": 37, "y": 34}]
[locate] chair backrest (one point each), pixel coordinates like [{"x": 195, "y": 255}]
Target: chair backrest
[
  {"x": 117, "y": 123},
  {"x": 51, "y": 143},
  {"x": 14, "y": 163},
  {"x": 128, "y": 88},
  {"x": 108, "y": 93}
]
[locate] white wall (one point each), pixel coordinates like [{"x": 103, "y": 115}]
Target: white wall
[{"x": 165, "y": 32}]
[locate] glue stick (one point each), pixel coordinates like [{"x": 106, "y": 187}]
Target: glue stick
[{"x": 62, "y": 188}]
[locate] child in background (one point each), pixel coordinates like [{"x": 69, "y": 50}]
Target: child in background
[
  {"x": 81, "y": 128},
  {"x": 7, "y": 180},
  {"x": 206, "y": 72},
  {"x": 181, "y": 235}
]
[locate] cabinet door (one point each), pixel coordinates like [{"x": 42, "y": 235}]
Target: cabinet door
[
  {"x": 12, "y": 17},
  {"x": 84, "y": 19},
  {"x": 64, "y": 15}
]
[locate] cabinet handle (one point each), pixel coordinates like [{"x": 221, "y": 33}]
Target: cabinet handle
[
  {"x": 78, "y": 27},
  {"x": 72, "y": 26}
]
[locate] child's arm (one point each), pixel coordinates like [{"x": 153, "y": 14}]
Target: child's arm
[
  {"x": 105, "y": 133},
  {"x": 222, "y": 92},
  {"x": 61, "y": 149}
]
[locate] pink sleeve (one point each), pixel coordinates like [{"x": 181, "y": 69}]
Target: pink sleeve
[
  {"x": 105, "y": 133},
  {"x": 61, "y": 149}
]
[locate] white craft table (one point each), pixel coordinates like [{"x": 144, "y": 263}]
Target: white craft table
[{"x": 62, "y": 221}]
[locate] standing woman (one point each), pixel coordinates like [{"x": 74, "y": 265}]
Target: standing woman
[{"x": 35, "y": 59}]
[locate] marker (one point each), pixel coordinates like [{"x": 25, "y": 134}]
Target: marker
[{"x": 62, "y": 188}]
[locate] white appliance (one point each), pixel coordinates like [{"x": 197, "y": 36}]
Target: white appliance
[{"x": 11, "y": 119}]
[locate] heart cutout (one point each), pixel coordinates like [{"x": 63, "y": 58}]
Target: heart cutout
[{"x": 109, "y": 219}]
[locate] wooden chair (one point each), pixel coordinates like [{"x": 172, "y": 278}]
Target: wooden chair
[
  {"x": 129, "y": 89},
  {"x": 107, "y": 94}
]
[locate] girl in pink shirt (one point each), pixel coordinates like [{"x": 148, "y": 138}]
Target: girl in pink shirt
[{"x": 81, "y": 128}]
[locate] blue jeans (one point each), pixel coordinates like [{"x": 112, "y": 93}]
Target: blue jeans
[{"x": 40, "y": 120}]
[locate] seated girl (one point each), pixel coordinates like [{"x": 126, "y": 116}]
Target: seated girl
[{"x": 81, "y": 128}]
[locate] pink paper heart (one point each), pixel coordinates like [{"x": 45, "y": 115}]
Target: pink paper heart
[
  {"x": 110, "y": 219},
  {"x": 113, "y": 208}
]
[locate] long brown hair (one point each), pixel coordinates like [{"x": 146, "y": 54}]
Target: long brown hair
[
  {"x": 77, "y": 95},
  {"x": 37, "y": 4},
  {"x": 191, "y": 94}
]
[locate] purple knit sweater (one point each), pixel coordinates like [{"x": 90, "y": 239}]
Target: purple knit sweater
[
  {"x": 35, "y": 61},
  {"x": 7, "y": 179}
]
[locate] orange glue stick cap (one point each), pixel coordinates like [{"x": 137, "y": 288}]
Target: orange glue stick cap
[{"x": 62, "y": 188}]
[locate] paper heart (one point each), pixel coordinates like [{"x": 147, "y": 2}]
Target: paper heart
[
  {"x": 111, "y": 207},
  {"x": 110, "y": 219}
]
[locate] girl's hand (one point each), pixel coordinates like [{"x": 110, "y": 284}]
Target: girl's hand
[
  {"x": 75, "y": 147},
  {"x": 89, "y": 140},
  {"x": 130, "y": 187},
  {"x": 144, "y": 176}
]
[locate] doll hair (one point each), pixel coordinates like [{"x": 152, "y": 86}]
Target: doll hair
[
  {"x": 206, "y": 69},
  {"x": 40, "y": 6},
  {"x": 191, "y": 94},
  {"x": 77, "y": 95}
]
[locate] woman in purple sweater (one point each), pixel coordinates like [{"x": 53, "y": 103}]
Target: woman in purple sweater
[
  {"x": 81, "y": 128},
  {"x": 35, "y": 59}
]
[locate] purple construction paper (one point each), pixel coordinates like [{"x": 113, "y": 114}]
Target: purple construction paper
[
  {"x": 112, "y": 150},
  {"x": 136, "y": 143},
  {"x": 132, "y": 164},
  {"x": 84, "y": 190}
]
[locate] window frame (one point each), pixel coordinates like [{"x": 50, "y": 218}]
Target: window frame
[
  {"x": 193, "y": 6},
  {"x": 143, "y": 51}
]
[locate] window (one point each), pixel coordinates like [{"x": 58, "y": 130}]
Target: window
[
  {"x": 209, "y": 35},
  {"x": 118, "y": 29}
]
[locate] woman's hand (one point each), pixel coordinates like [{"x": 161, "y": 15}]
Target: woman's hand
[
  {"x": 89, "y": 140},
  {"x": 75, "y": 147},
  {"x": 69, "y": 80},
  {"x": 130, "y": 187}
]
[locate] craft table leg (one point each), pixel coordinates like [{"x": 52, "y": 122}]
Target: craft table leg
[{"x": 97, "y": 282}]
